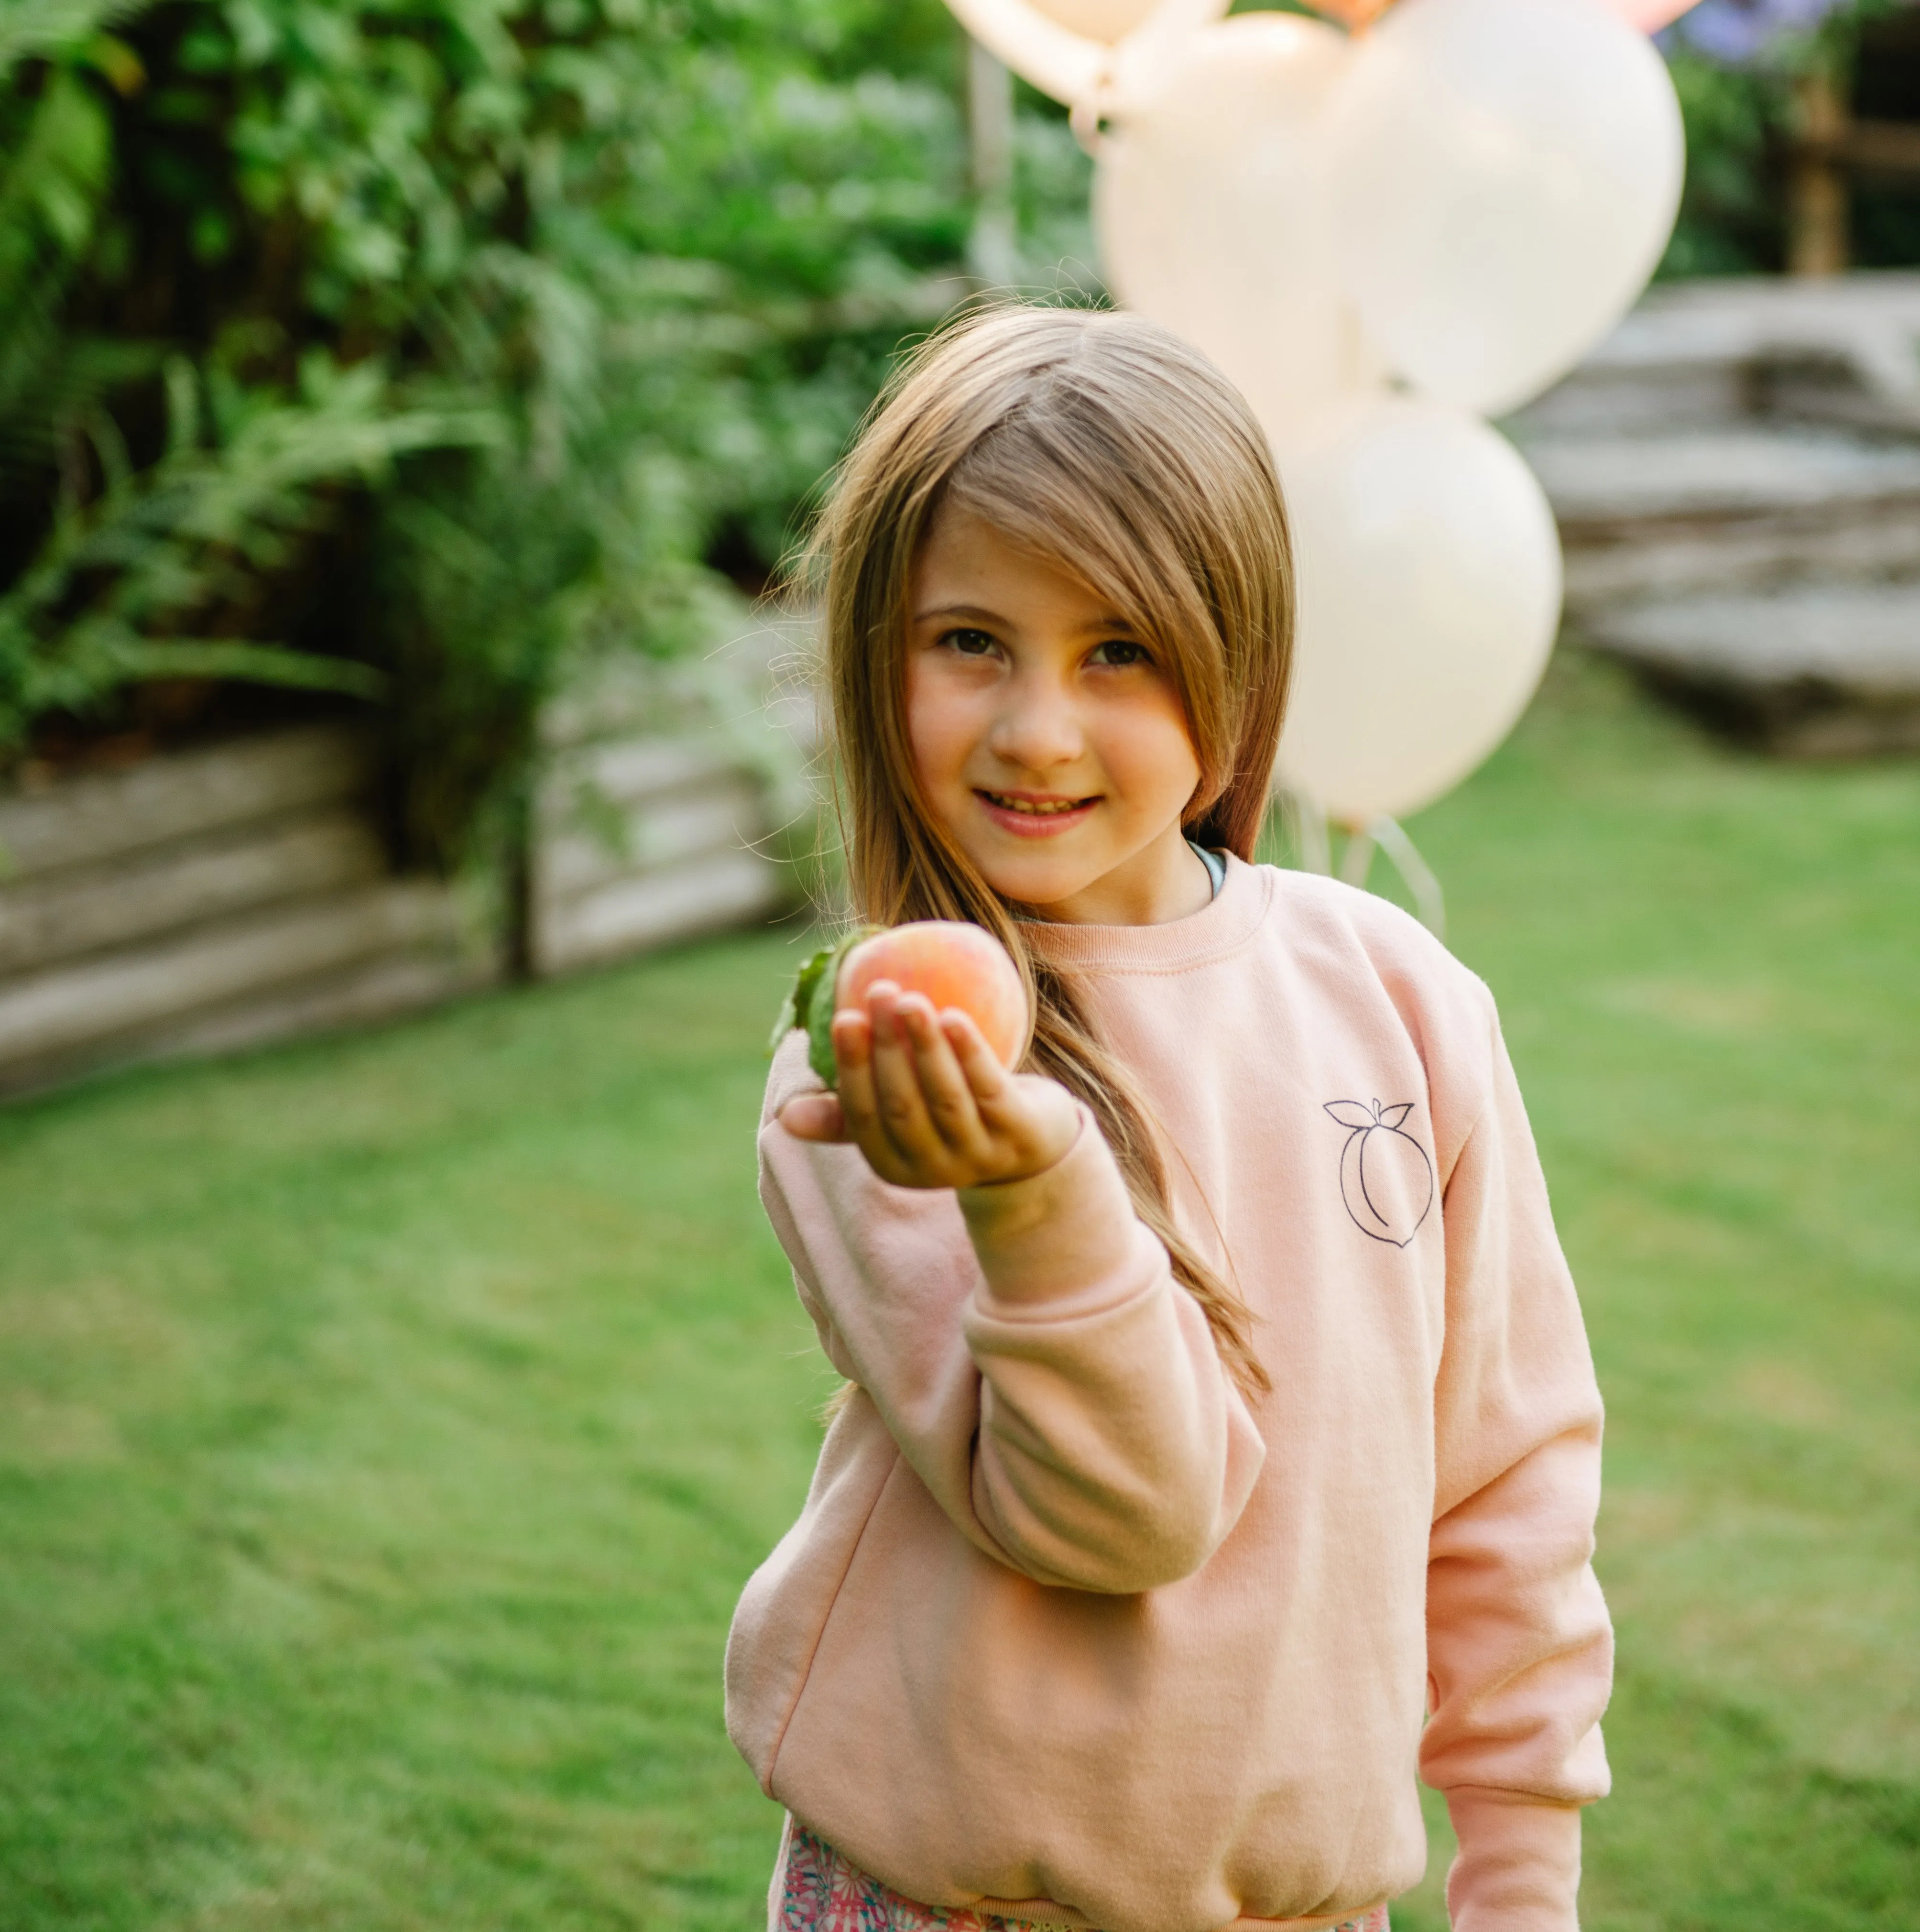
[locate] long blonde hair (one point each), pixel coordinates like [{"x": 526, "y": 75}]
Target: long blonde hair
[{"x": 1106, "y": 446}]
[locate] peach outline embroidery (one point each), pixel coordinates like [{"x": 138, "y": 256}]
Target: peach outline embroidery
[{"x": 1364, "y": 1122}]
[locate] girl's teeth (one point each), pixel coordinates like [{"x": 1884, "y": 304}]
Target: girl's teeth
[{"x": 1028, "y": 805}]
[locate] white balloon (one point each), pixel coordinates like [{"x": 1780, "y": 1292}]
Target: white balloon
[
  {"x": 1084, "y": 52},
  {"x": 1506, "y": 174},
  {"x": 1429, "y": 594},
  {"x": 1212, "y": 207}
]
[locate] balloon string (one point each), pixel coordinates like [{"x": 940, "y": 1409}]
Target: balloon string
[
  {"x": 1086, "y": 118},
  {"x": 1357, "y": 861},
  {"x": 1306, "y": 832},
  {"x": 1308, "y": 836},
  {"x": 1428, "y": 899}
]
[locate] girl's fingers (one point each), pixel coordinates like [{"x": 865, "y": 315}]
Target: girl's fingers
[
  {"x": 986, "y": 1079},
  {"x": 814, "y": 1117},
  {"x": 944, "y": 1087},
  {"x": 1030, "y": 1120},
  {"x": 927, "y": 1102},
  {"x": 902, "y": 1107},
  {"x": 853, "y": 1054}
]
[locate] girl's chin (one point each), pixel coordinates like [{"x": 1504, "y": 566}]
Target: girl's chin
[{"x": 1043, "y": 880}]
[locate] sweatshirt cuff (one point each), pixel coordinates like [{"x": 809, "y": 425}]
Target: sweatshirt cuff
[
  {"x": 1063, "y": 1242},
  {"x": 1518, "y": 1867}
]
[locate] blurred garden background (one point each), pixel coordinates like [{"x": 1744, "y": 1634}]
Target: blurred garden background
[{"x": 388, "y": 1421}]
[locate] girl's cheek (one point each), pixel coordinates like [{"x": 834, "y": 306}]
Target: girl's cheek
[
  {"x": 1147, "y": 750},
  {"x": 941, "y": 725}
]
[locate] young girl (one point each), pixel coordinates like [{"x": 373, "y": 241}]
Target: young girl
[{"x": 1221, "y": 1445}]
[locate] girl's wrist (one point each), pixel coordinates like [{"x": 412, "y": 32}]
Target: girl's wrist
[
  {"x": 1053, "y": 1125},
  {"x": 999, "y": 1189},
  {"x": 1047, "y": 1241}
]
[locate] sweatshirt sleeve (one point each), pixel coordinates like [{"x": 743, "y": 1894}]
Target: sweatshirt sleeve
[
  {"x": 1520, "y": 1649},
  {"x": 1028, "y": 1348}
]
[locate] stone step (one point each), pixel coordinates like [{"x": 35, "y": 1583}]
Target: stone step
[
  {"x": 1842, "y": 349},
  {"x": 1733, "y": 507},
  {"x": 1812, "y": 670}
]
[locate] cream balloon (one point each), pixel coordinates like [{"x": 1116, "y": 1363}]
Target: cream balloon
[
  {"x": 1212, "y": 212},
  {"x": 1109, "y": 21},
  {"x": 1506, "y": 173},
  {"x": 1084, "y": 53},
  {"x": 1429, "y": 594}
]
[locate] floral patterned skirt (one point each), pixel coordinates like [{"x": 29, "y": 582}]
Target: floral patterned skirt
[{"x": 816, "y": 1890}]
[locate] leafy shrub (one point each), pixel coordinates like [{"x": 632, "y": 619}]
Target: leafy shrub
[
  {"x": 1734, "y": 64},
  {"x": 416, "y": 349},
  {"x": 1732, "y": 210}
]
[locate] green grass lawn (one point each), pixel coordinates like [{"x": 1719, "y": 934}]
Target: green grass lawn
[{"x": 386, "y": 1425}]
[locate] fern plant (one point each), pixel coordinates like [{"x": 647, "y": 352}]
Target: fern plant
[
  {"x": 124, "y": 583},
  {"x": 421, "y": 349},
  {"x": 139, "y": 569}
]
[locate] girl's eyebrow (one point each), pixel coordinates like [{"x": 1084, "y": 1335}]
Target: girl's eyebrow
[
  {"x": 971, "y": 613},
  {"x": 976, "y": 613}
]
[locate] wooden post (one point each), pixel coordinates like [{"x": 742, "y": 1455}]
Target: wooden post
[
  {"x": 1817, "y": 209},
  {"x": 993, "y": 250}
]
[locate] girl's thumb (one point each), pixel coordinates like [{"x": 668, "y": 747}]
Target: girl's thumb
[{"x": 814, "y": 1117}]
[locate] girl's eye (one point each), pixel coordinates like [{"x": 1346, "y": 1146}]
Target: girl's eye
[
  {"x": 1118, "y": 651},
  {"x": 969, "y": 643}
]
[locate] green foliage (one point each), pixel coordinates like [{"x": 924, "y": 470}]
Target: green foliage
[
  {"x": 108, "y": 597},
  {"x": 55, "y": 161},
  {"x": 545, "y": 305},
  {"x": 1740, "y": 123},
  {"x": 141, "y": 568},
  {"x": 1732, "y": 211}
]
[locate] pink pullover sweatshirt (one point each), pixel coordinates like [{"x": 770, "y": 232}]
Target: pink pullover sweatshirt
[{"x": 1068, "y": 1629}]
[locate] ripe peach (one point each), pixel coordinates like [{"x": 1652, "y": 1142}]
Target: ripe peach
[{"x": 953, "y": 965}]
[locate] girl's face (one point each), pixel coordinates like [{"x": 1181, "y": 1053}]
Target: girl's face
[{"x": 1046, "y": 738}]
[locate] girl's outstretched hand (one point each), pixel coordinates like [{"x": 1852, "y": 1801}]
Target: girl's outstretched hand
[{"x": 922, "y": 1097}]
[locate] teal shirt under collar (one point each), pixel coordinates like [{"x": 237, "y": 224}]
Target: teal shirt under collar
[{"x": 1216, "y": 866}]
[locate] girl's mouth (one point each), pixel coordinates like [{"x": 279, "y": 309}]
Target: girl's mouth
[{"x": 1034, "y": 815}]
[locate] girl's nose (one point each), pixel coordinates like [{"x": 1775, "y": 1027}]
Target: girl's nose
[{"x": 1037, "y": 728}]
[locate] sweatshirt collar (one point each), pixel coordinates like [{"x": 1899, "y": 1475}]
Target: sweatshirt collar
[{"x": 1220, "y": 927}]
